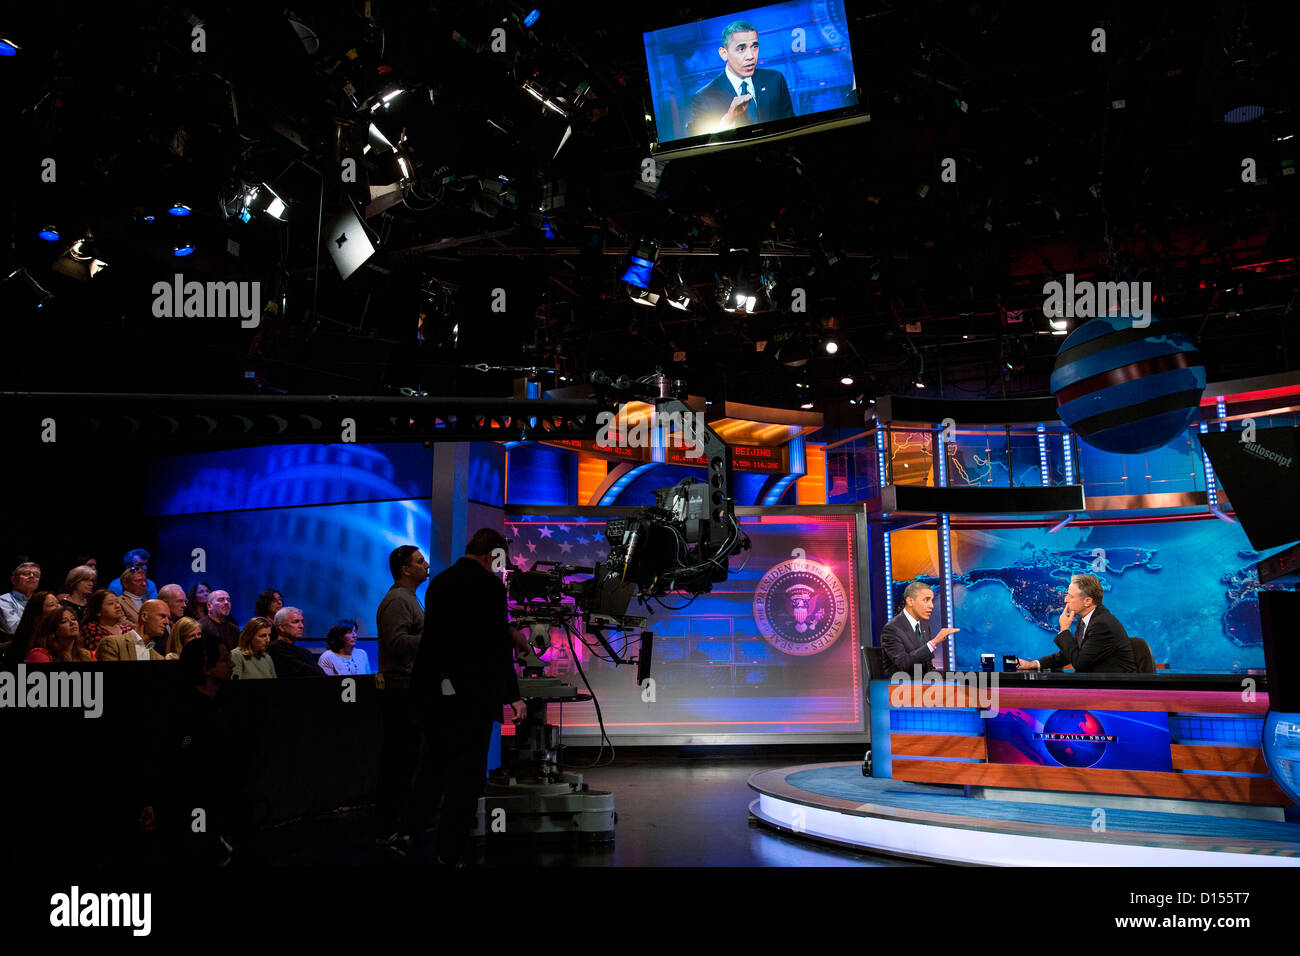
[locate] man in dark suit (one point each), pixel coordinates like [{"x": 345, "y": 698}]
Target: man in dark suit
[
  {"x": 906, "y": 640},
  {"x": 741, "y": 94},
  {"x": 1099, "y": 645},
  {"x": 464, "y": 674}
]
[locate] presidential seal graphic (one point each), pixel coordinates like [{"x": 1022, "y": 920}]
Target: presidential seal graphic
[{"x": 801, "y": 607}]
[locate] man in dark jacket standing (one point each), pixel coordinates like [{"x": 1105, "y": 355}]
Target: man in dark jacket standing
[{"x": 464, "y": 674}]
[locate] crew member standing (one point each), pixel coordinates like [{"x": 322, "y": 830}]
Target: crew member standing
[
  {"x": 400, "y": 624},
  {"x": 464, "y": 674}
]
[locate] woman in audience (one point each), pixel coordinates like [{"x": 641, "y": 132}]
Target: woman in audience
[
  {"x": 268, "y": 603},
  {"x": 78, "y": 588},
  {"x": 58, "y": 639},
  {"x": 343, "y": 656},
  {"x": 183, "y": 631},
  {"x": 103, "y": 617},
  {"x": 250, "y": 658},
  {"x": 196, "y": 602},
  {"x": 37, "y": 605}
]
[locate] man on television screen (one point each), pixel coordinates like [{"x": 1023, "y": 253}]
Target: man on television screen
[{"x": 741, "y": 94}]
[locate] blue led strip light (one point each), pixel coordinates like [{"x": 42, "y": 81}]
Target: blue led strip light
[
  {"x": 1221, "y": 407},
  {"x": 1211, "y": 490},
  {"x": 1069, "y": 457},
  {"x": 1042, "y": 453},
  {"x": 880, "y": 459},
  {"x": 948, "y": 650},
  {"x": 889, "y": 580}
]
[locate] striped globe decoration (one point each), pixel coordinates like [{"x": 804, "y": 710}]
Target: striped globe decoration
[{"x": 1127, "y": 390}]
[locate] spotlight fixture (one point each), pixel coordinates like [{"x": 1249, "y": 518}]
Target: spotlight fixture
[
  {"x": 49, "y": 234},
  {"x": 641, "y": 263},
  {"x": 8, "y": 47},
  {"x": 642, "y": 296},
  {"x": 806, "y": 405},
  {"x": 182, "y": 249},
  {"x": 179, "y": 209},
  {"x": 831, "y": 346},
  {"x": 1058, "y": 325},
  {"x": 79, "y": 261},
  {"x": 386, "y": 97},
  {"x": 847, "y": 380}
]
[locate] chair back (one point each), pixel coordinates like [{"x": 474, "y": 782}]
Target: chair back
[{"x": 1142, "y": 656}]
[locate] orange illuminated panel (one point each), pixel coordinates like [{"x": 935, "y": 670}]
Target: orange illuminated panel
[
  {"x": 591, "y": 472},
  {"x": 811, "y": 488}
]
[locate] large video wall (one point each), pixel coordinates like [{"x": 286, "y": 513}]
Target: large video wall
[{"x": 772, "y": 650}]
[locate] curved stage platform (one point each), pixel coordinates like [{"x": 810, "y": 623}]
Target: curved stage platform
[{"x": 833, "y": 802}]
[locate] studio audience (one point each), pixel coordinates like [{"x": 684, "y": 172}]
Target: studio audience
[
  {"x": 136, "y": 558},
  {"x": 342, "y": 657},
  {"x": 250, "y": 659},
  {"x": 26, "y": 577},
  {"x": 132, "y": 591},
  {"x": 182, "y": 632},
  {"x": 40, "y": 603},
  {"x": 103, "y": 618},
  {"x": 290, "y": 659},
  {"x": 57, "y": 639},
  {"x": 78, "y": 588},
  {"x": 140, "y": 643},
  {"x": 174, "y": 597},
  {"x": 196, "y": 601},
  {"x": 218, "y": 623}
]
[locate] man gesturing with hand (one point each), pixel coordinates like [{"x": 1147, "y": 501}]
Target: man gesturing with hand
[{"x": 906, "y": 640}]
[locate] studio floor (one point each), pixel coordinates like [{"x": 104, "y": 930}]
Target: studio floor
[{"x": 672, "y": 811}]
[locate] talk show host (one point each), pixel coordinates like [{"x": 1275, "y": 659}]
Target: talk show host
[
  {"x": 464, "y": 674},
  {"x": 1099, "y": 644},
  {"x": 906, "y": 640},
  {"x": 741, "y": 94}
]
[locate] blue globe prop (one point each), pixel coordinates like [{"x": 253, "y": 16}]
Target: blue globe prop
[
  {"x": 1125, "y": 389},
  {"x": 1074, "y": 753}
]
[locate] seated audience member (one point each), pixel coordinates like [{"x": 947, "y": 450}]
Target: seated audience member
[
  {"x": 142, "y": 643},
  {"x": 136, "y": 558},
  {"x": 57, "y": 639},
  {"x": 219, "y": 623},
  {"x": 26, "y": 577},
  {"x": 181, "y": 633},
  {"x": 251, "y": 659},
  {"x": 343, "y": 657},
  {"x": 39, "y": 604},
  {"x": 174, "y": 597},
  {"x": 196, "y": 601},
  {"x": 268, "y": 606},
  {"x": 78, "y": 588},
  {"x": 290, "y": 659},
  {"x": 133, "y": 591},
  {"x": 103, "y": 618}
]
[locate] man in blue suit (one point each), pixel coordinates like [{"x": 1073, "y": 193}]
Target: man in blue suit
[{"x": 741, "y": 94}]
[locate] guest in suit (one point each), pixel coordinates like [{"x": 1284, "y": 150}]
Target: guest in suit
[
  {"x": 906, "y": 640},
  {"x": 741, "y": 94},
  {"x": 1099, "y": 645},
  {"x": 141, "y": 643}
]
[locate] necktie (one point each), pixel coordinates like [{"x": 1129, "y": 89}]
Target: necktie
[
  {"x": 751, "y": 109},
  {"x": 1083, "y": 626}
]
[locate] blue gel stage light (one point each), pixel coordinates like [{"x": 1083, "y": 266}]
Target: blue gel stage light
[
  {"x": 179, "y": 209},
  {"x": 184, "y": 249},
  {"x": 10, "y": 48},
  {"x": 533, "y": 17},
  {"x": 49, "y": 234},
  {"x": 638, "y": 273}
]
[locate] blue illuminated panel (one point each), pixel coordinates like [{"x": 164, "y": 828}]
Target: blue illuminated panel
[
  {"x": 1216, "y": 729},
  {"x": 961, "y": 722}
]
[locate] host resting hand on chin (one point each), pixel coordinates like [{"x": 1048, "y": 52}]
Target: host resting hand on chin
[{"x": 1099, "y": 644}]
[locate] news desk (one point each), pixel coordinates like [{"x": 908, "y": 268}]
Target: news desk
[{"x": 1181, "y": 736}]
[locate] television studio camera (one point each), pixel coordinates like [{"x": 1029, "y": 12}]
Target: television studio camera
[{"x": 679, "y": 545}]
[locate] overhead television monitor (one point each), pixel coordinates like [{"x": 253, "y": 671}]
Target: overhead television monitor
[{"x": 757, "y": 74}]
